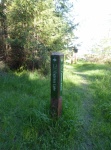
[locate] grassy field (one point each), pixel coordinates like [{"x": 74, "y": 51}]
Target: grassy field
[{"x": 85, "y": 124}]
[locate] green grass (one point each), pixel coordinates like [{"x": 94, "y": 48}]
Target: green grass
[
  {"x": 25, "y": 120},
  {"x": 101, "y": 126},
  {"x": 99, "y": 77}
]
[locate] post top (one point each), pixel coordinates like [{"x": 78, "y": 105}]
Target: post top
[{"x": 57, "y": 53}]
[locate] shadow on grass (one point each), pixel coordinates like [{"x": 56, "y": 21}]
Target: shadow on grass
[
  {"x": 25, "y": 121},
  {"x": 100, "y": 83},
  {"x": 99, "y": 79}
]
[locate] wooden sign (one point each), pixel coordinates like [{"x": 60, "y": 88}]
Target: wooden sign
[{"x": 57, "y": 61}]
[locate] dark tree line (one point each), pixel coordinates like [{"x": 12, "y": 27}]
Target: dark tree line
[{"x": 30, "y": 30}]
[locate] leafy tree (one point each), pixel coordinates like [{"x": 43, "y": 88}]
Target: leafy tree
[
  {"x": 3, "y": 29},
  {"x": 35, "y": 29}
]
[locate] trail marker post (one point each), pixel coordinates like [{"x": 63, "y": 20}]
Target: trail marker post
[{"x": 57, "y": 61}]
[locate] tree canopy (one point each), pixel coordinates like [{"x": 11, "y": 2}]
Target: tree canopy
[{"x": 32, "y": 29}]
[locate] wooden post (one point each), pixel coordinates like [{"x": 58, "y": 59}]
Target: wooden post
[{"x": 57, "y": 60}]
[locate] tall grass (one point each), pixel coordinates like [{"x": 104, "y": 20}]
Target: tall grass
[
  {"x": 99, "y": 77},
  {"x": 25, "y": 120},
  {"x": 101, "y": 126}
]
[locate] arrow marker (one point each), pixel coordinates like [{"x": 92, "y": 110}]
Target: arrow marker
[{"x": 54, "y": 59}]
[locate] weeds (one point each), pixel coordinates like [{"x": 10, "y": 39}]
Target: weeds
[{"x": 25, "y": 121}]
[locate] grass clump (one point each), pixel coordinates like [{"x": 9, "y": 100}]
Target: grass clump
[
  {"x": 100, "y": 128},
  {"x": 25, "y": 120}
]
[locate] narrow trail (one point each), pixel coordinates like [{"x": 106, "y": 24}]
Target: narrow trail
[
  {"x": 85, "y": 113},
  {"x": 82, "y": 81}
]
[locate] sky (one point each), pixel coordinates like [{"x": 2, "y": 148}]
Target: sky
[{"x": 94, "y": 18}]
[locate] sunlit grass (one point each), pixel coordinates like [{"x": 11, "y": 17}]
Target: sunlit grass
[
  {"x": 25, "y": 117},
  {"x": 100, "y": 82},
  {"x": 25, "y": 120}
]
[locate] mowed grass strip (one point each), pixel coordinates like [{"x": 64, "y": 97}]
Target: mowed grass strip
[
  {"x": 99, "y": 78},
  {"x": 101, "y": 125}
]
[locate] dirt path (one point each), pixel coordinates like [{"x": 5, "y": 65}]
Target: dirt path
[{"x": 85, "y": 114}]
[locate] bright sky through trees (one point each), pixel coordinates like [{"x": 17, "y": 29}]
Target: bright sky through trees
[{"x": 94, "y": 17}]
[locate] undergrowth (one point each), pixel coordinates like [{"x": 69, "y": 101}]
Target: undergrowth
[{"x": 25, "y": 120}]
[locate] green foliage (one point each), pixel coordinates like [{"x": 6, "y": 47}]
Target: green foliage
[
  {"x": 25, "y": 121},
  {"x": 25, "y": 114},
  {"x": 100, "y": 77},
  {"x": 75, "y": 49},
  {"x": 34, "y": 28},
  {"x": 3, "y": 30}
]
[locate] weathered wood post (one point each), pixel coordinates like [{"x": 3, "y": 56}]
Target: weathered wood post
[{"x": 57, "y": 60}]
